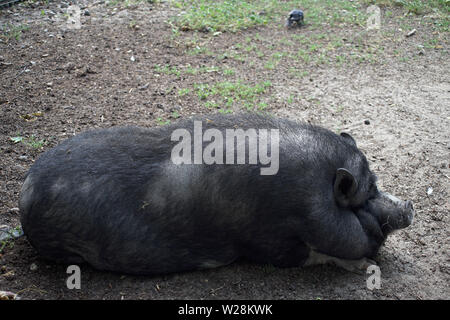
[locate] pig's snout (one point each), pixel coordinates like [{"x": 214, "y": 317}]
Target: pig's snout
[
  {"x": 392, "y": 212},
  {"x": 408, "y": 214}
]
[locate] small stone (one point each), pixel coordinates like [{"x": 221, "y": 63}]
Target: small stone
[
  {"x": 145, "y": 86},
  {"x": 33, "y": 267},
  {"x": 87, "y": 13},
  {"x": 366, "y": 122},
  {"x": 23, "y": 158},
  {"x": 14, "y": 210},
  {"x": 412, "y": 32}
]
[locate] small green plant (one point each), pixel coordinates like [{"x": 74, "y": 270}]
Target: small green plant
[
  {"x": 34, "y": 142},
  {"x": 162, "y": 122},
  {"x": 225, "y": 111},
  {"x": 132, "y": 24},
  {"x": 183, "y": 92},
  {"x": 11, "y": 31},
  {"x": 167, "y": 69},
  {"x": 229, "y": 72},
  {"x": 211, "y": 105},
  {"x": 290, "y": 99},
  {"x": 31, "y": 141},
  {"x": 9, "y": 244},
  {"x": 9, "y": 241},
  {"x": 200, "y": 50},
  {"x": 175, "y": 114}
]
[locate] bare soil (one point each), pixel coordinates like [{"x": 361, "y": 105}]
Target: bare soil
[{"x": 56, "y": 82}]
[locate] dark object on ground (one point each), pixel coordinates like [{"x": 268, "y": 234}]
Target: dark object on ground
[
  {"x": 295, "y": 19},
  {"x": 114, "y": 198}
]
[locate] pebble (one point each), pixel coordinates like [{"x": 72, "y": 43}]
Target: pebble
[
  {"x": 33, "y": 267},
  {"x": 412, "y": 32},
  {"x": 366, "y": 122}
]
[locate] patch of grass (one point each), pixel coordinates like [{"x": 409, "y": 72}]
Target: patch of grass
[
  {"x": 167, "y": 69},
  {"x": 303, "y": 55},
  {"x": 222, "y": 15},
  {"x": 129, "y": 3},
  {"x": 234, "y": 15},
  {"x": 274, "y": 60},
  {"x": 162, "y": 122},
  {"x": 183, "y": 92},
  {"x": 175, "y": 114},
  {"x": 200, "y": 50},
  {"x": 414, "y": 6},
  {"x": 431, "y": 44},
  {"x": 298, "y": 73},
  {"x": 9, "y": 244},
  {"x": 229, "y": 72},
  {"x": 34, "y": 142},
  {"x": 31, "y": 142},
  {"x": 227, "y": 94},
  {"x": 420, "y": 7},
  {"x": 10, "y": 31}
]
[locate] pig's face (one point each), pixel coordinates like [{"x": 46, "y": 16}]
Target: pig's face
[{"x": 355, "y": 189}]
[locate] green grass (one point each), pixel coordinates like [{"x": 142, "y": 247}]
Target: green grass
[
  {"x": 129, "y": 3},
  {"x": 175, "y": 114},
  {"x": 6, "y": 244},
  {"x": 227, "y": 94},
  {"x": 10, "y": 31},
  {"x": 235, "y": 15},
  {"x": 421, "y": 7},
  {"x": 167, "y": 69},
  {"x": 414, "y": 6},
  {"x": 31, "y": 142},
  {"x": 222, "y": 15},
  {"x": 200, "y": 50},
  {"x": 162, "y": 122},
  {"x": 183, "y": 92},
  {"x": 9, "y": 242}
]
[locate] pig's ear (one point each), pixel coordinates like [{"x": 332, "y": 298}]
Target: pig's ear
[
  {"x": 345, "y": 186},
  {"x": 348, "y": 138}
]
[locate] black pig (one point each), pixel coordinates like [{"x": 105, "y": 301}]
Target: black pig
[{"x": 114, "y": 198}]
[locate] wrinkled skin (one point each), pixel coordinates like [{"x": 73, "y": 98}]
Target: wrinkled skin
[{"x": 113, "y": 198}]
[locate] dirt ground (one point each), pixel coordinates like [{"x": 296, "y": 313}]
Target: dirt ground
[{"x": 391, "y": 92}]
